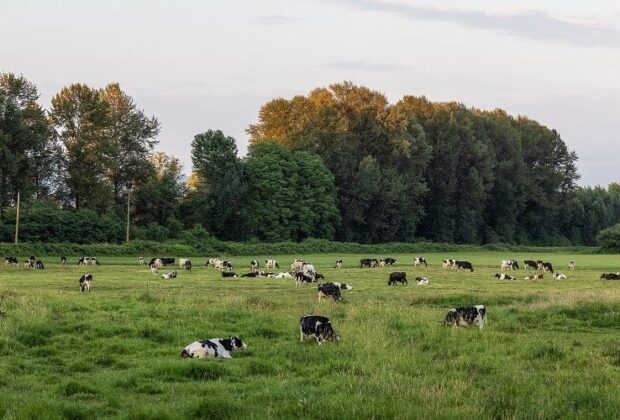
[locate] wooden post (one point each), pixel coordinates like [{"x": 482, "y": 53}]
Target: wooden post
[
  {"x": 128, "y": 207},
  {"x": 17, "y": 219}
]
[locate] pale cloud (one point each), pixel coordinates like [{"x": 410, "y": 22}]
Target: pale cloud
[
  {"x": 361, "y": 65},
  {"x": 272, "y": 20}
]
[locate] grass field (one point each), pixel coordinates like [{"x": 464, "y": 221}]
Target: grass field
[{"x": 551, "y": 349}]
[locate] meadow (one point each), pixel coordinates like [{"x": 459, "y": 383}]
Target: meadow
[{"x": 551, "y": 349}]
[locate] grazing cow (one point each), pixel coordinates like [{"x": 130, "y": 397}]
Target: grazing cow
[
  {"x": 449, "y": 263},
  {"x": 545, "y": 266},
  {"x": 86, "y": 282},
  {"x": 141, "y": 261},
  {"x": 170, "y": 275},
  {"x": 610, "y": 276},
  {"x": 369, "y": 262},
  {"x": 317, "y": 327},
  {"x": 11, "y": 261},
  {"x": 283, "y": 276},
  {"x": 418, "y": 261},
  {"x": 535, "y": 277},
  {"x": 301, "y": 278},
  {"x": 530, "y": 265},
  {"x": 297, "y": 265},
  {"x": 230, "y": 274},
  {"x": 40, "y": 265},
  {"x": 571, "y": 265},
  {"x": 390, "y": 261},
  {"x": 63, "y": 260},
  {"x": 503, "y": 276},
  {"x": 465, "y": 265},
  {"x": 509, "y": 265},
  {"x": 466, "y": 315},
  {"x": 559, "y": 276},
  {"x": 254, "y": 266},
  {"x": 422, "y": 281},
  {"x": 271, "y": 264},
  {"x": 397, "y": 276},
  {"x": 338, "y": 263},
  {"x": 213, "y": 262},
  {"x": 329, "y": 289},
  {"x": 221, "y": 348}
]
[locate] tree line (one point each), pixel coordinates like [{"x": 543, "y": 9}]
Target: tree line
[{"x": 341, "y": 163}]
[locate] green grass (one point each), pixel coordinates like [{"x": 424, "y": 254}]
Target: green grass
[{"x": 550, "y": 350}]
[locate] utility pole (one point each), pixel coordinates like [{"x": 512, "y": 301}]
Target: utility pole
[
  {"x": 17, "y": 219},
  {"x": 128, "y": 207}
]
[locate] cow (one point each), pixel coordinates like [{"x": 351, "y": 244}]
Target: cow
[
  {"x": 559, "y": 276},
  {"x": 297, "y": 265},
  {"x": 466, "y": 315},
  {"x": 212, "y": 262},
  {"x": 216, "y": 348},
  {"x": 381, "y": 263},
  {"x": 317, "y": 327},
  {"x": 162, "y": 261},
  {"x": 338, "y": 263},
  {"x": 545, "y": 266},
  {"x": 369, "y": 262},
  {"x": 509, "y": 265},
  {"x": 229, "y": 274},
  {"x": 535, "y": 277},
  {"x": 154, "y": 268},
  {"x": 254, "y": 266},
  {"x": 465, "y": 265},
  {"x": 390, "y": 261},
  {"x": 285, "y": 275},
  {"x": 309, "y": 270},
  {"x": 571, "y": 265},
  {"x": 610, "y": 276},
  {"x": 86, "y": 282},
  {"x": 252, "y": 274},
  {"x": 503, "y": 276},
  {"x": 182, "y": 262},
  {"x": 422, "y": 281},
  {"x": 83, "y": 261},
  {"x": 224, "y": 265},
  {"x": 343, "y": 286},
  {"x": 32, "y": 261},
  {"x": 141, "y": 261},
  {"x": 271, "y": 264},
  {"x": 188, "y": 265},
  {"x": 419, "y": 261},
  {"x": 449, "y": 263},
  {"x": 28, "y": 264},
  {"x": 530, "y": 265},
  {"x": 169, "y": 275},
  {"x": 329, "y": 289},
  {"x": 301, "y": 278},
  {"x": 397, "y": 276},
  {"x": 40, "y": 265},
  {"x": 63, "y": 260},
  {"x": 11, "y": 261}
]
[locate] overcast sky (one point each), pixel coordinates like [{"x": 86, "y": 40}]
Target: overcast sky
[{"x": 200, "y": 65}]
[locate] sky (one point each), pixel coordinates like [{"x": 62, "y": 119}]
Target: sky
[{"x": 199, "y": 65}]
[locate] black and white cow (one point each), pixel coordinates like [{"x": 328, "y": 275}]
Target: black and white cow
[
  {"x": 535, "y": 277},
  {"x": 11, "y": 261},
  {"x": 530, "y": 265},
  {"x": 182, "y": 262},
  {"x": 297, "y": 264},
  {"x": 252, "y": 274},
  {"x": 63, "y": 260},
  {"x": 271, "y": 264},
  {"x": 188, "y": 265},
  {"x": 571, "y": 265},
  {"x": 285, "y": 275},
  {"x": 329, "y": 289},
  {"x": 610, "y": 276},
  {"x": 369, "y": 262},
  {"x": 390, "y": 261},
  {"x": 29, "y": 264},
  {"x": 301, "y": 278},
  {"x": 559, "y": 276},
  {"x": 169, "y": 275},
  {"x": 503, "y": 276},
  {"x": 224, "y": 265},
  {"x": 422, "y": 281},
  {"x": 545, "y": 266},
  {"x": 212, "y": 262},
  {"x": 141, "y": 261},
  {"x": 161, "y": 261},
  {"x": 86, "y": 282},
  {"x": 449, "y": 263},
  {"x": 509, "y": 265},
  {"x": 338, "y": 263},
  {"x": 317, "y": 327},
  {"x": 466, "y": 315},
  {"x": 230, "y": 274},
  {"x": 397, "y": 276},
  {"x": 343, "y": 286},
  {"x": 40, "y": 265},
  {"x": 216, "y": 348},
  {"x": 419, "y": 261},
  {"x": 254, "y": 265},
  {"x": 464, "y": 265}
]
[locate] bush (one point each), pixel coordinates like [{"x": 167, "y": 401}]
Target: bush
[{"x": 609, "y": 239}]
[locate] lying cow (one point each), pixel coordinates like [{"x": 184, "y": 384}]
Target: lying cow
[
  {"x": 398, "y": 276},
  {"x": 230, "y": 274},
  {"x": 170, "y": 275},
  {"x": 285, "y": 275},
  {"x": 530, "y": 265},
  {"x": 419, "y": 261},
  {"x": 271, "y": 264},
  {"x": 422, "y": 281},
  {"x": 466, "y": 315},
  {"x": 559, "y": 276},
  {"x": 221, "y": 348},
  {"x": 86, "y": 282},
  {"x": 329, "y": 289},
  {"x": 610, "y": 276},
  {"x": 503, "y": 276},
  {"x": 465, "y": 265},
  {"x": 317, "y": 327},
  {"x": 535, "y": 277}
]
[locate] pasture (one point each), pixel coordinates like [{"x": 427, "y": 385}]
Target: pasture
[{"x": 551, "y": 349}]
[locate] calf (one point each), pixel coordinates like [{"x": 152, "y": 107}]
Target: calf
[
  {"x": 390, "y": 261},
  {"x": 530, "y": 265},
  {"x": 230, "y": 274},
  {"x": 170, "y": 275},
  {"x": 317, "y": 327},
  {"x": 254, "y": 266},
  {"x": 40, "y": 265},
  {"x": 466, "y": 315},
  {"x": 571, "y": 265},
  {"x": 338, "y": 263},
  {"x": 271, "y": 264},
  {"x": 503, "y": 276},
  {"x": 465, "y": 265},
  {"x": 398, "y": 276},
  {"x": 559, "y": 276},
  {"x": 610, "y": 276},
  {"x": 422, "y": 281},
  {"x": 86, "y": 282},
  {"x": 329, "y": 289},
  {"x": 535, "y": 277},
  {"x": 419, "y": 261},
  {"x": 222, "y": 348}
]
